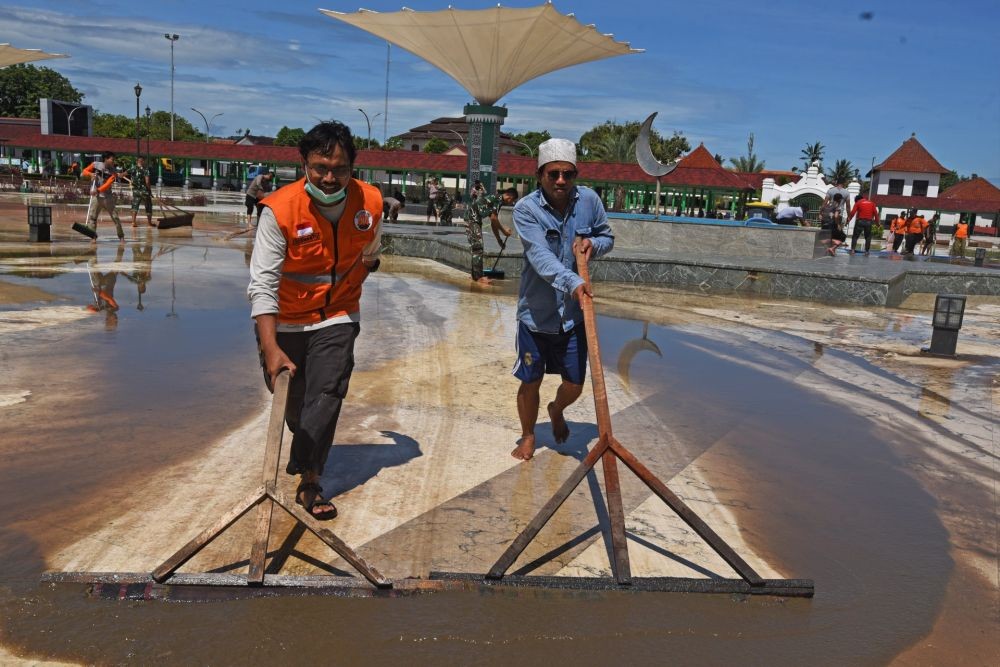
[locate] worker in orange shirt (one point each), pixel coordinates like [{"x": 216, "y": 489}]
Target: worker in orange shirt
[
  {"x": 898, "y": 230},
  {"x": 867, "y": 214},
  {"x": 961, "y": 237},
  {"x": 915, "y": 226},
  {"x": 102, "y": 196}
]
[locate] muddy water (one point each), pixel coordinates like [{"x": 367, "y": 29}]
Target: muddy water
[{"x": 827, "y": 499}]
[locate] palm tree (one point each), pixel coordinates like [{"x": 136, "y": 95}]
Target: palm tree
[
  {"x": 813, "y": 153},
  {"x": 842, "y": 172},
  {"x": 749, "y": 162},
  {"x": 614, "y": 147}
]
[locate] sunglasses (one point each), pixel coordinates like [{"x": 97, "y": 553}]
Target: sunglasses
[{"x": 567, "y": 175}]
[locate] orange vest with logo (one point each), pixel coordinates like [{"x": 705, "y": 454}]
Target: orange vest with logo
[
  {"x": 322, "y": 274},
  {"x": 898, "y": 226},
  {"x": 962, "y": 230},
  {"x": 916, "y": 225}
]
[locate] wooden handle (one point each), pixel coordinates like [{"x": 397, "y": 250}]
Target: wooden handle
[{"x": 593, "y": 350}]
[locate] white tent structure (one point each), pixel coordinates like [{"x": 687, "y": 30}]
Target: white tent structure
[
  {"x": 489, "y": 52},
  {"x": 10, "y": 55}
]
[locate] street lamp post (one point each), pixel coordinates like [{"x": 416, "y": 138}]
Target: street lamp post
[
  {"x": 457, "y": 134},
  {"x": 208, "y": 133},
  {"x": 208, "y": 122},
  {"x": 69, "y": 117},
  {"x": 369, "y": 123},
  {"x": 138, "y": 145},
  {"x": 148, "y": 130},
  {"x": 521, "y": 143},
  {"x": 173, "y": 38}
]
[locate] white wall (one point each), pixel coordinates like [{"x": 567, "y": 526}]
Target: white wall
[{"x": 933, "y": 182}]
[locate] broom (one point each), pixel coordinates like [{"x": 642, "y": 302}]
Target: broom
[{"x": 493, "y": 272}]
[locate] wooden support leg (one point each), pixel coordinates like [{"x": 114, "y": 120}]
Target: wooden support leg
[
  {"x": 616, "y": 514},
  {"x": 169, "y": 566},
  {"x": 272, "y": 456},
  {"x": 334, "y": 542},
  {"x": 528, "y": 534},
  {"x": 687, "y": 514}
]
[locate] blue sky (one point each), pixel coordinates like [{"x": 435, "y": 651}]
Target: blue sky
[{"x": 790, "y": 72}]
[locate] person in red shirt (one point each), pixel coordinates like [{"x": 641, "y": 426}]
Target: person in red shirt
[{"x": 867, "y": 213}]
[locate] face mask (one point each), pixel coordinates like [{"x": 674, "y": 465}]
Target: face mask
[{"x": 323, "y": 198}]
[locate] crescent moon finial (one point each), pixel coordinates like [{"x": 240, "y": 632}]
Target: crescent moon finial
[{"x": 644, "y": 154}]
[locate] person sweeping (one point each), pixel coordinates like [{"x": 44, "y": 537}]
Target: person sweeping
[{"x": 102, "y": 197}]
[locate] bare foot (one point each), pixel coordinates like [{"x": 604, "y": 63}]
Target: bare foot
[
  {"x": 560, "y": 431},
  {"x": 525, "y": 448},
  {"x": 485, "y": 281}
]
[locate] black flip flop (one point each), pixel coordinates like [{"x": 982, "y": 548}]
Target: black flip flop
[{"x": 318, "y": 501}]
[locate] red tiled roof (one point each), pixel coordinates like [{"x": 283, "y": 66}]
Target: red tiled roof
[
  {"x": 952, "y": 205},
  {"x": 976, "y": 188},
  {"x": 693, "y": 171},
  {"x": 912, "y": 157},
  {"x": 699, "y": 168}
]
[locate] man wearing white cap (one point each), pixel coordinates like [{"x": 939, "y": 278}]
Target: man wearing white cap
[{"x": 553, "y": 222}]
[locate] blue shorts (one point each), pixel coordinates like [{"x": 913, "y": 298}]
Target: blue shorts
[{"x": 541, "y": 353}]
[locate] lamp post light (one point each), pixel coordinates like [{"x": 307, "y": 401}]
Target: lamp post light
[
  {"x": 69, "y": 117},
  {"x": 531, "y": 153},
  {"x": 369, "y": 123},
  {"x": 949, "y": 311},
  {"x": 138, "y": 145},
  {"x": 208, "y": 122},
  {"x": 457, "y": 134},
  {"x": 173, "y": 38}
]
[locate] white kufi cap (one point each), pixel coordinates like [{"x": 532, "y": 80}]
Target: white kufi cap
[{"x": 556, "y": 150}]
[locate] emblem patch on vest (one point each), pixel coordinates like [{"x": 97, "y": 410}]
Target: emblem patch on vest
[
  {"x": 363, "y": 220},
  {"x": 304, "y": 233}
]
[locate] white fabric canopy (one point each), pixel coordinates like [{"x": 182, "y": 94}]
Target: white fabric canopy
[
  {"x": 490, "y": 52},
  {"x": 10, "y": 55}
]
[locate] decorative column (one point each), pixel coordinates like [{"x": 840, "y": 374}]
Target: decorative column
[{"x": 483, "y": 145}]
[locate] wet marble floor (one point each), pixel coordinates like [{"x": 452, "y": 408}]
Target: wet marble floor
[{"x": 815, "y": 439}]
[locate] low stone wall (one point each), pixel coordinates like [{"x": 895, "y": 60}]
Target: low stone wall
[{"x": 717, "y": 237}]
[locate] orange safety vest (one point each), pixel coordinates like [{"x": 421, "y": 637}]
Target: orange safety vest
[
  {"x": 916, "y": 225},
  {"x": 898, "y": 225},
  {"x": 322, "y": 274},
  {"x": 962, "y": 230},
  {"x": 102, "y": 180}
]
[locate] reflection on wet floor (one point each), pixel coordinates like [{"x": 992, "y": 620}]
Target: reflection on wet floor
[{"x": 766, "y": 413}]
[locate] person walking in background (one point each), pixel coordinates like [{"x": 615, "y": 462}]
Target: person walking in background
[
  {"x": 554, "y": 222},
  {"x": 478, "y": 190},
  {"x": 930, "y": 235},
  {"x": 897, "y": 229},
  {"x": 141, "y": 190},
  {"x": 444, "y": 205},
  {"x": 487, "y": 206},
  {"x": 866, "y": 213},
  {"x": 960, "y": 237},
  {"x": 102, "y": 195},
  {"x": 257, "y": 190},
  {"x": 915, "y": 226},
  {"x": 831, "y": 218},
  {"x": 432, "y": 190}
]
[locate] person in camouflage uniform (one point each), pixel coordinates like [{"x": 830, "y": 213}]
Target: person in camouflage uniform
[
  {"x": 141, "y": 190},
  {"x": 443, "y": 205},
  {"x": 486, "y": 206}
]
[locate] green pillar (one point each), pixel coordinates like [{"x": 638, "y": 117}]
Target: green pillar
[{"x": 483, "y": 145}]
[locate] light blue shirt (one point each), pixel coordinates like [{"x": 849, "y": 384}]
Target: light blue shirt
[{"x": 545, "y": 301}]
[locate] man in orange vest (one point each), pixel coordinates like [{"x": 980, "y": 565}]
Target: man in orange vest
[
  {"x": 317, "y": 241},
  {"x": 915, "y": 226},
  {"x": 867, "y": 213},
  {"x": 961, "y": 236},
  {"x": 898, "y": 229},
  {"x": 102, "y": 196}
]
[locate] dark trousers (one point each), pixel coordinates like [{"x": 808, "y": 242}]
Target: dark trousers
[
  {"x": 911, "y": 242},
  {"x": 324, "y": 359},
  {"x": 859, "y": 227},
  {"x": 897, "y": 240}
]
